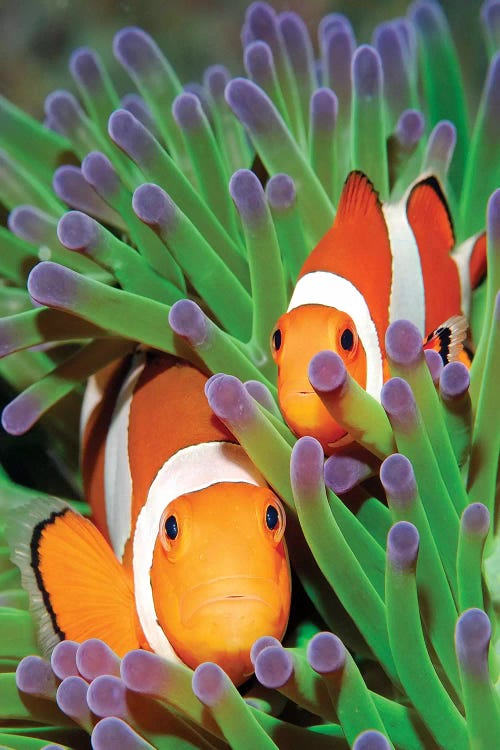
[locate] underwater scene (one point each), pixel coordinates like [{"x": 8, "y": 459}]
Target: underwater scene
[{"x": 250, "y": 414}]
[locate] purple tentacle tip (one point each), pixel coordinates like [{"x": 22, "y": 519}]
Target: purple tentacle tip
[
  {"x": 260, "y": 644},
  {"x": 324, "y": 109},
  {"x": 367, "y": 74},
  {"x": 131, "y": 136},
  {"x": 404, "y": 343},
  {"x": 216, "y": 78},
  {"x": 136, "y": 50},
  {"x": 476, "y": 519},
  {"x": 307, "y": 465},
  {"x": 371, "y": 740},
  {"x": 259, "y": 62},
  {"x": 63, "y": 659},
  {"x": 281, "y": 192},
  {"x": 154, "y": 206},
  {"x": 136, "y": 105},
  {"x": 187, "y": 111},
  {"x": 442, "y": 141},
  {"x": 72, "y": 697},
  {"x": 490, "y": 12},
  {"x": 472, "y": 640},
  {"x": 144, "y": 672},
  {"x": 95, "y": 658},
  {"x": 251, "y": 105},
  {"x": 426, "y": 16},
  {"x": 260, "y": 393},
  {"x": 77, "y": 231},
  {"x": 107, "y": 696},
  {"x": 343, "y": 472},
  {"x": 398, "y": 479},
  {"x": 493, "y": 217},
  {"x": 52, "y": 284},
  {"x": 71, "y": 187},
  {"x": 100, "y": 173},
  {"x": 402, "y": 546},
  {"x": 333, "y": 22},
  {"x": 410, "y": 128},
  {"x": 115, "y": 733},
  {"x": 434, "y": 363},
  {"x": 296, "y": 38},
  {"x": 29, "y": 223},
  {"x": 262, "y": 22},
  {"x": 398, "y": 401},
  {"x": 454, "y": 381},
  {"x": 327, "y": 372},
  {"x": 187, "y": 319},
  {"x": 85, "y": 67},
  {"x": 248, "y": 195},
  {"x": 273, "y": 667},
  {"x": 326, "y": 653},
  {"x": 64, "y": 109},
  {"x": 229, "y": 400},
  {"x": 21, "y": 414},
  {"x": 34, "y": 676},
  {"x": 210, "y": 683}
]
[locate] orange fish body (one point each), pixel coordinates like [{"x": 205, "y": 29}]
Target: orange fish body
[
  {"x": 378, "y": 263},
  {"x": 196, "y": 567}
]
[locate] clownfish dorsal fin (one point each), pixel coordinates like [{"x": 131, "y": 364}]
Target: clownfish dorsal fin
[
  {"x": 448, "y": 339},
  {"x": 358, "y": 199},
  {"x": 429, "y": 216},
  {"x": 77, "y": 587}
]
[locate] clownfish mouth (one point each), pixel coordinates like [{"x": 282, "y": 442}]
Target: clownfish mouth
[{"x": 230, "y": 590}]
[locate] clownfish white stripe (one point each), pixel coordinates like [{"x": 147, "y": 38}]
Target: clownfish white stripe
[
  {"x": 91, "y": 399},
  {"x": 189, "y": 470},
  {"x": 461, "y": 255},
  {"x": 117, "y": 476},
  {"x": 407, "y": 287},
  {"x": 325, "y": 288}
]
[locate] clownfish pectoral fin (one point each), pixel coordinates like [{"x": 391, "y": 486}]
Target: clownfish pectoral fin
[
  {"x": 77, "y": 587},
  {"x": 448, "y": 339}
]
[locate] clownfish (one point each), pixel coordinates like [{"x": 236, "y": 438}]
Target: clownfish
[
  {"x": 379, "y": 262},
  {"x": 187, "y": 556}
]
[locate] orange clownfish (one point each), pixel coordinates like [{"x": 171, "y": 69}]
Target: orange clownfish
[
  {"x": 187, "y": 556},
  {"x": 377, "y": 263}
]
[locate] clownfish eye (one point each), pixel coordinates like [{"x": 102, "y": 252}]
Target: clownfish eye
[
  {"x": 274, "y": 520},
  {"x": 272, "y": 517},
  {"x": 347, "y": 340},
  {"x": 276, "y": 339},
  {"x": 171, "y": 527}
]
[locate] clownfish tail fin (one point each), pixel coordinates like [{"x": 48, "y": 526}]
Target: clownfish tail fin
[
  {"x": 448, "y": 340},
  {"x": 24, "y": 527},
  {"x": 77, "y": 587}
]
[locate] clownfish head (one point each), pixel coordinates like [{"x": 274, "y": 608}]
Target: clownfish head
[
  {"x": 298, "y": 335},
  {"x": 220, "y": 574}
]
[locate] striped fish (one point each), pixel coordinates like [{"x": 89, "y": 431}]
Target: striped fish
[
  {"x": 378, "y": 263},
  {"x": 187, "y": 556}
]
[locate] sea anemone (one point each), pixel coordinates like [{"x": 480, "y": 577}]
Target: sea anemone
[{"x": 193, "y": 210}]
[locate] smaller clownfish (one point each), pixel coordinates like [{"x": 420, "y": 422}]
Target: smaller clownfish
[
  {"x": 378, "y": 263},
  {"x": 187, "y": 556}
]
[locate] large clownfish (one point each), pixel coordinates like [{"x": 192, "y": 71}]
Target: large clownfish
[
  {"x": 187, "y": 556},
  {"x": 377, "y": 263}
]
